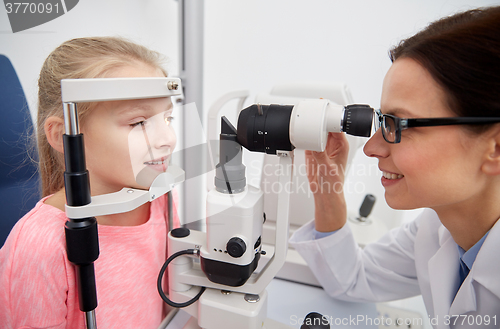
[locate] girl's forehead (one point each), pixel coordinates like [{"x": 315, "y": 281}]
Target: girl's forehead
[
  {"x": 127, "y": 108},
  {"x": 131, "y": 104},
  {"x": 153, "y": 104},
  {"x": 136, "y": 69}
]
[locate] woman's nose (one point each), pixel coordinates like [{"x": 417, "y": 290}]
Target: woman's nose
[{"x": 376, "y": 146}]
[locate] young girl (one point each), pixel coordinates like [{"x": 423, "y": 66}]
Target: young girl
[
  {"x": 38, "y": 282},
  {"x": 449, "y": 254}
]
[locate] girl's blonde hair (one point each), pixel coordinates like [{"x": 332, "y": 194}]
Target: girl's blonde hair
[{"x": 76, "y": 59}]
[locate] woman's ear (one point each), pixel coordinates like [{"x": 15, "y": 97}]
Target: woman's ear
[
  {"x": 54, "y": 130},
  {"x": 491, "y": 164}
]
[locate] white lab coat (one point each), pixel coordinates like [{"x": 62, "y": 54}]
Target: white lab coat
[{"x": 421, "y": 257}]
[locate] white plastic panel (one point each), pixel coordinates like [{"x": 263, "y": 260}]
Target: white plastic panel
[{"x": 108, "y": 89}]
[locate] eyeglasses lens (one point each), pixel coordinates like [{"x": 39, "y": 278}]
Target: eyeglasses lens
[{"x": 389, "y": 129}]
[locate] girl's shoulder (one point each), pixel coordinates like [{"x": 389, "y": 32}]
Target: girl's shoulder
[
  {"x": 40, "y": 230},
  {"x": 34, "y": 269}
]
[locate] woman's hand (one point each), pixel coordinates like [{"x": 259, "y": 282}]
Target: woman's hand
[{"x": 326, "y": 173}]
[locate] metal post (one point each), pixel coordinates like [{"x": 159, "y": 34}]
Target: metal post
[
  {"x": 82, "y": 243},
  {"x": 191, "y": 68}
]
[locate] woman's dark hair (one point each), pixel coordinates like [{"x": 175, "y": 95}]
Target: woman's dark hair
[{"x": 462, "y": 53}]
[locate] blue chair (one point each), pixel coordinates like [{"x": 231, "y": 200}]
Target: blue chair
[{"x": 19, "y": 180}]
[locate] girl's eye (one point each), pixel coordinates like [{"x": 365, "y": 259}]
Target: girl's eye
[
  {"x": 138, "y": 123},
  {"x": 168, "y": 120}
]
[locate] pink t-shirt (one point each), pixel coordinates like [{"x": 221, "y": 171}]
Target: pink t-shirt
[{"x": 38, "y": 286}]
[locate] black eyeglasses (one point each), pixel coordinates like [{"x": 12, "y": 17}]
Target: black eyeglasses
[{"x": 393, "y": 126}]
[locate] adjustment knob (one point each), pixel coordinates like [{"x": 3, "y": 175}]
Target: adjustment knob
[
  {"x": 236, "y": 247},
  {"x": 367, "y": 205},
  {"x": 315, "y": 320}
]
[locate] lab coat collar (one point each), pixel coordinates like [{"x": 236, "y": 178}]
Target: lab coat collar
[
  {"x": 465, "y": 300},
  {"x": 487, "y": 262},
  {"x": 443, "y": 269},
  {"x": 444, "y": 235}
]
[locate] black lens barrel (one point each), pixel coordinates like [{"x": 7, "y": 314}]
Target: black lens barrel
[
  {"x": 265, "y": 128},
  {"x": 358, "y": 120}
]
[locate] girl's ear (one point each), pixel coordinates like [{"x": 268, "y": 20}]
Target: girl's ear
[
  {"x": 54, "y": 130},
  {"x": 491, "y": 164}
]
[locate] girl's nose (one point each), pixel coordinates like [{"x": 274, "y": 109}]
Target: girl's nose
[
  {"x": 160, "y": 132},
  {"x": 164, "y": 134},
  {"x": 376, "y": 146}
]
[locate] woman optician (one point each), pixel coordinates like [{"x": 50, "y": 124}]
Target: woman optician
[{"x": 451, "y": 253}]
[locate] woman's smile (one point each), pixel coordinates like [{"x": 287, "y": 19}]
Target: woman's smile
[{"x": 389, "y": 179}]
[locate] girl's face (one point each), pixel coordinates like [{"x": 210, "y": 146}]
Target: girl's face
[
  {"x": 432, "y": 166},
  {"x": 128, "y": 143}
]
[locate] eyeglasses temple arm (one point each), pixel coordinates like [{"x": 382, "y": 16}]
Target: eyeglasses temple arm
[{"x": 407, "y": 123}]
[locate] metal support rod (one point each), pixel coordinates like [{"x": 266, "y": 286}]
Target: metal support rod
[
  {"x": 71, "y": 126},
  {"x": 90, "y": 320},
  {"x": 170, "y": 204},
  {"x": 191, "y": 72},
  {"x": 82, "y": 242}
]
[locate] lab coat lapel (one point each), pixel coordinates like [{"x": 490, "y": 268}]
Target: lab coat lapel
[
  {"x": 486, "y": 267},
  {"x": 486, "y": 264},
  {"x": 443, "y": 275},
  {"x": 465, "y": 301}
]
